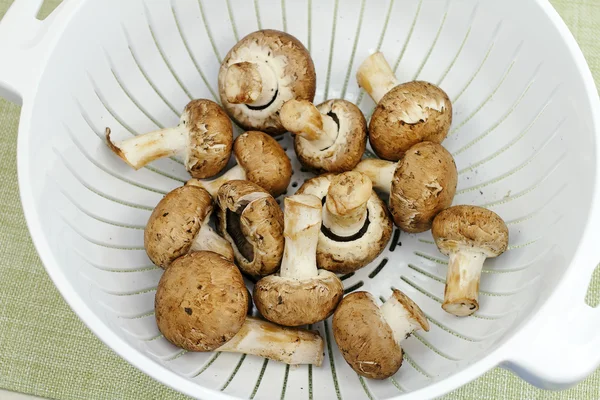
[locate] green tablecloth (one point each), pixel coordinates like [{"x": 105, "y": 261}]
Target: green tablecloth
[{"x": 47, "y": 351}]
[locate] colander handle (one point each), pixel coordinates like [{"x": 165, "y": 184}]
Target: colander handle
[
  {"x": 560, "y": 346},
  {"x": 23, "y": 42}
]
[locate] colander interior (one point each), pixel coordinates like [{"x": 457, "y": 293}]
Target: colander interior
[{"x": 522, "y": 139}]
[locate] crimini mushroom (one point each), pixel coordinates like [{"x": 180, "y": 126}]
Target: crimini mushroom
[
  {"x": 203, "y": 136},
  {"x": 468, "y": 235},
  {"x": 260, "y": 73},
  {"x": 369, "y": 336},
  {"x": 251, "y": 220},
  {"x": 330, "y": 137},
  {"x": 201, "y": 305},
  {"x": 179, "y": 224},
  {"x": 420, "y": 185},
  {"x": 356, "y": 224},
  {"x": 260, "y": 159},
  {"x": 406, "y": 114},
  {"x": 301, "y": 294}
]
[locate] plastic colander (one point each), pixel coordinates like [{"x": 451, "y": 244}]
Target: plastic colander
[{"x": 525, "y": 139}]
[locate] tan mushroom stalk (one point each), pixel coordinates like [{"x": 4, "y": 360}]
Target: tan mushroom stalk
[
  {"x": 251, "y": 220},
  {"x": 467, "y": 235},
  {"x": 203, "y": 136},
  {"x": 369, "y": 336},
  {"x": 201, "y": 305},
  {"x": 260, "y": 73},
  {"x": 260, "y": 159},
  {"x": 330, "y": 137},
  {"x": 406, "y": 114},
  {"x": 356, "y": 225},
  {"x": 420, "y": 185},
  {"x": 179, "y": 224},
  {"x": 301, "y": 294}
]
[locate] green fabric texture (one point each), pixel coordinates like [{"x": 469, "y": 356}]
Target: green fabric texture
[{"x": 47, "y": 351}]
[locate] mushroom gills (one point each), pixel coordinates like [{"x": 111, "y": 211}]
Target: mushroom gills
[{"x": 235, "y": 231}]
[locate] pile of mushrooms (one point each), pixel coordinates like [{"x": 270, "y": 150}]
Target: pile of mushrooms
[{"x": 335, "y": 223}]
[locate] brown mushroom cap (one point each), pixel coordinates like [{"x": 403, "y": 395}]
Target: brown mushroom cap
[
  {"x": 349, "y": 145},
  {"x": 174, "y": 223},
  {"x": 424, "y": 184},
  {"x": 410, "y": 113},
  {"x": 291, "y": 63},
  {"x": 201, "y": 301},
  {"x": 348, "y": 256},
  {"x": 295, "y": 302},
  {"x": 364, "y": 338},
  {"x": 251, "y": 220},
  {"x": 470, "y": 227},
  {"x": 264, "y": 161},
  {"x": 211, "y": 138}
]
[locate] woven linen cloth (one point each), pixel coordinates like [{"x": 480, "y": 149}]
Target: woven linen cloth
[{"x": 46, "y": 350}]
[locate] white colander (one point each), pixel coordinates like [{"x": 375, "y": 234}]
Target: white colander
[{"x": 525, "y": 139}]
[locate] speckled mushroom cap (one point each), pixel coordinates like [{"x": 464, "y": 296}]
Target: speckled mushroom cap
[
  {"x": 201, "y": 302},
  {"x": 211, "y": 138},
  {"x": 470, "y": 227},
  {"x": 349, "y": 145},
  {"x": 424, "y": 184},
  {"x": 347, "y": 256},
  {"x": 292, "y": 66},
  {"x": 295, "y": 302},
  {"x": 410, "y": 113},
  {"x": 264, "y": 161},
  {"x": 251, "y": 220},
  {"x": 364, "y": 338},
  {"x": 175, "y": 222}
]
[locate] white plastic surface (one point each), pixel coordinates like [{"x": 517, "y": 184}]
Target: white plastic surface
[{"x": 525, "y": 139}]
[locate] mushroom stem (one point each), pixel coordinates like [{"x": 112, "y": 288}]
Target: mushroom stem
[
  {"x": 399, "y": 319},
  {"x": 143, "y": 149},
  {"x": 376, "y": 77},
  {"x": 302, "y": 118},
  {"x": 264, "y": 339},
  {"x": 302, "y": 224},
  {"x": 212, "y": 186},
  {"x": 208, "y": 240},
  {"x": 380, "y": 172},
  {"x": 345, "y": 210},
  {"x": 250, "y": 83},
  {"x": 462, "y": 282}
]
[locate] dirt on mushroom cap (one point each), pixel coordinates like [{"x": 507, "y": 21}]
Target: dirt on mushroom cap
[
  {"x": 470, "y": 226},
  {"x": 261, "y": 224},
  {"x": 299, "y": 67},
  {"x": 211, "y": 138},
  {"x": 364, "y": 338},
  {"x": 424, "y": 184},
  {"x": 408, "y": 114},
  {"x": 293, "y": 302},
  {"x": 174, "y": 223},
  {"x": 348, "y": 147},
  {"x": 264, "y": 161},
  {"x": 201, "y": 302}
]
